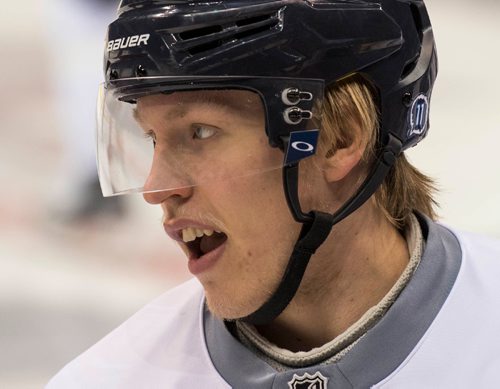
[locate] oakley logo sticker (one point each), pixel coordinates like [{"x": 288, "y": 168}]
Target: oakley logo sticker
[
  {"x": 129, "y": 41},
  {"x": 302, "y": 144},
  {"x": 308, "y": 381},
  {"x": 419, "y": 115}
]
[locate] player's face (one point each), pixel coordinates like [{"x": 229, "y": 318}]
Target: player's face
[{"x": 245, "y": 230}]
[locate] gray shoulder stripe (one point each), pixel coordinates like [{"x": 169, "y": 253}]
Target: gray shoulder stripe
[{"x": 389, "y": 342}]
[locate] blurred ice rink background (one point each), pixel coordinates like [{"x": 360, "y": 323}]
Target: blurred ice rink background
[{"x": 63, "y": 285}]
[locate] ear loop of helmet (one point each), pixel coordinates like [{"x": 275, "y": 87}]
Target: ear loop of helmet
[{"x": 316, "y": 226}]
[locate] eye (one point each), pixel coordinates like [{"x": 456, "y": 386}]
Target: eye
[{"x": 203, "y": 132}]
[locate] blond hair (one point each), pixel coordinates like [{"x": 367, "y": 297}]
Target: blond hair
[{"x": 350, "y": 104}]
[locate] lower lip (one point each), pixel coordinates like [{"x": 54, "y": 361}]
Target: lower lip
[{"x": 204, "y": 263}]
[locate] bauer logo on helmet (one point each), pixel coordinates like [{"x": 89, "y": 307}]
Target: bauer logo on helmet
[{"x": 129, "y": 41}]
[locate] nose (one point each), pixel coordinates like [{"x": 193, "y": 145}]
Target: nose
[
  {"x": 159, "y": 196},
  {"x": 164, "y": 184},
  {"x": 169, "y": 195}
]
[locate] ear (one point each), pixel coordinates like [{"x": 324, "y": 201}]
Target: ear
[{"x": 338, "y": 165}]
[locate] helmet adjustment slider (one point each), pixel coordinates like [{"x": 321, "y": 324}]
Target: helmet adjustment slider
[
  {"x": 292, "y": 96},
  {"x": 296, "y": 115}
]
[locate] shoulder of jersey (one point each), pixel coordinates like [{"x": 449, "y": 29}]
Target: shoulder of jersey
[
  {"x": 460, "y": 347},
  {"x": 154, "y": 345},
  {"x": 483, "y": 250}
]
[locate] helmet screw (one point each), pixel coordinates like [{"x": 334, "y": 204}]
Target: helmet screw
[
  {"x": 293, "y": 96},
  {"x": 295, "y": 115},
  {"x": 141, "y": 71},
  {"x": 407, "y": 99},
  {"x": 113, "y": 75}
]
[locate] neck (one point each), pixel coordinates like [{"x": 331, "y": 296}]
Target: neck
[{"x": 339, "y": 285}]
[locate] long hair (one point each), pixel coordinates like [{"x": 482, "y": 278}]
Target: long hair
[{"x": 352, "y": 102}]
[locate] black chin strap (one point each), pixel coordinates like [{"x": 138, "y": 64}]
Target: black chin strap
[{"x": 316, "y": 228}]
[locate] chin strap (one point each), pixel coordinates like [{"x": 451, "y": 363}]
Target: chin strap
[
  {"x": 316, "y": 226},
  {"x": 312, "y": 235}
]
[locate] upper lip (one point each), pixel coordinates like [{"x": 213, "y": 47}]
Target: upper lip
[{"x": 174, "y": 227}]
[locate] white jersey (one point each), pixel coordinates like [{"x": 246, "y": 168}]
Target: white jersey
[
  {"x": 161, "y": 346},
  {"x": 442, "y": 332},
  {"x": 460, "y": 348}
]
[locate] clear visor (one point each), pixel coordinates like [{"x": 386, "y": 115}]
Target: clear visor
[{"x": 182, "y": 139}]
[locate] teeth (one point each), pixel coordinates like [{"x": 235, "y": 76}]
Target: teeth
[{"x": 190, "y": 234}]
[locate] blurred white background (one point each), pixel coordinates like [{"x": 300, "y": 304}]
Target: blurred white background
[{"x": 64, "y": 283}]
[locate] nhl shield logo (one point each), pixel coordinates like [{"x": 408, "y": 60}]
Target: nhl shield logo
[{"x": 308, "y": 381}]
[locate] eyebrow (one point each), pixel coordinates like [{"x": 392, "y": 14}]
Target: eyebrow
[
  {"x": 217, "y": 99},
  {"x": 211, "y": 99}
]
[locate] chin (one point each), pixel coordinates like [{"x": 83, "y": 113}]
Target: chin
[{"x": 231, "y": 305}]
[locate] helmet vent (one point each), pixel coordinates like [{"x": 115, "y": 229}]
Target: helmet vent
[
  {"x": 186, "y": 35},
  {"x": 255, "y": 19},
  {"x": 207, "y": 38}
]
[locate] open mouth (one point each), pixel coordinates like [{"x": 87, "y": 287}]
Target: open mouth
[{"x": 202, "y": 245}]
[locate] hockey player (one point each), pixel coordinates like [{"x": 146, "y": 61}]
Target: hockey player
[{"x": 272, "y": 134}]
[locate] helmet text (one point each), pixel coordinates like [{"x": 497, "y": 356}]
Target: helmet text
[{"x": 129, "y": 41}]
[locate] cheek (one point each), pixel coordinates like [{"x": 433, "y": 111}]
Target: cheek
[
  {"x": 257, "y": 217},
  {"x": 258, "y": 198},
  {"x": 266, "y": 229},
  {"x": 261, "y": 234}
]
